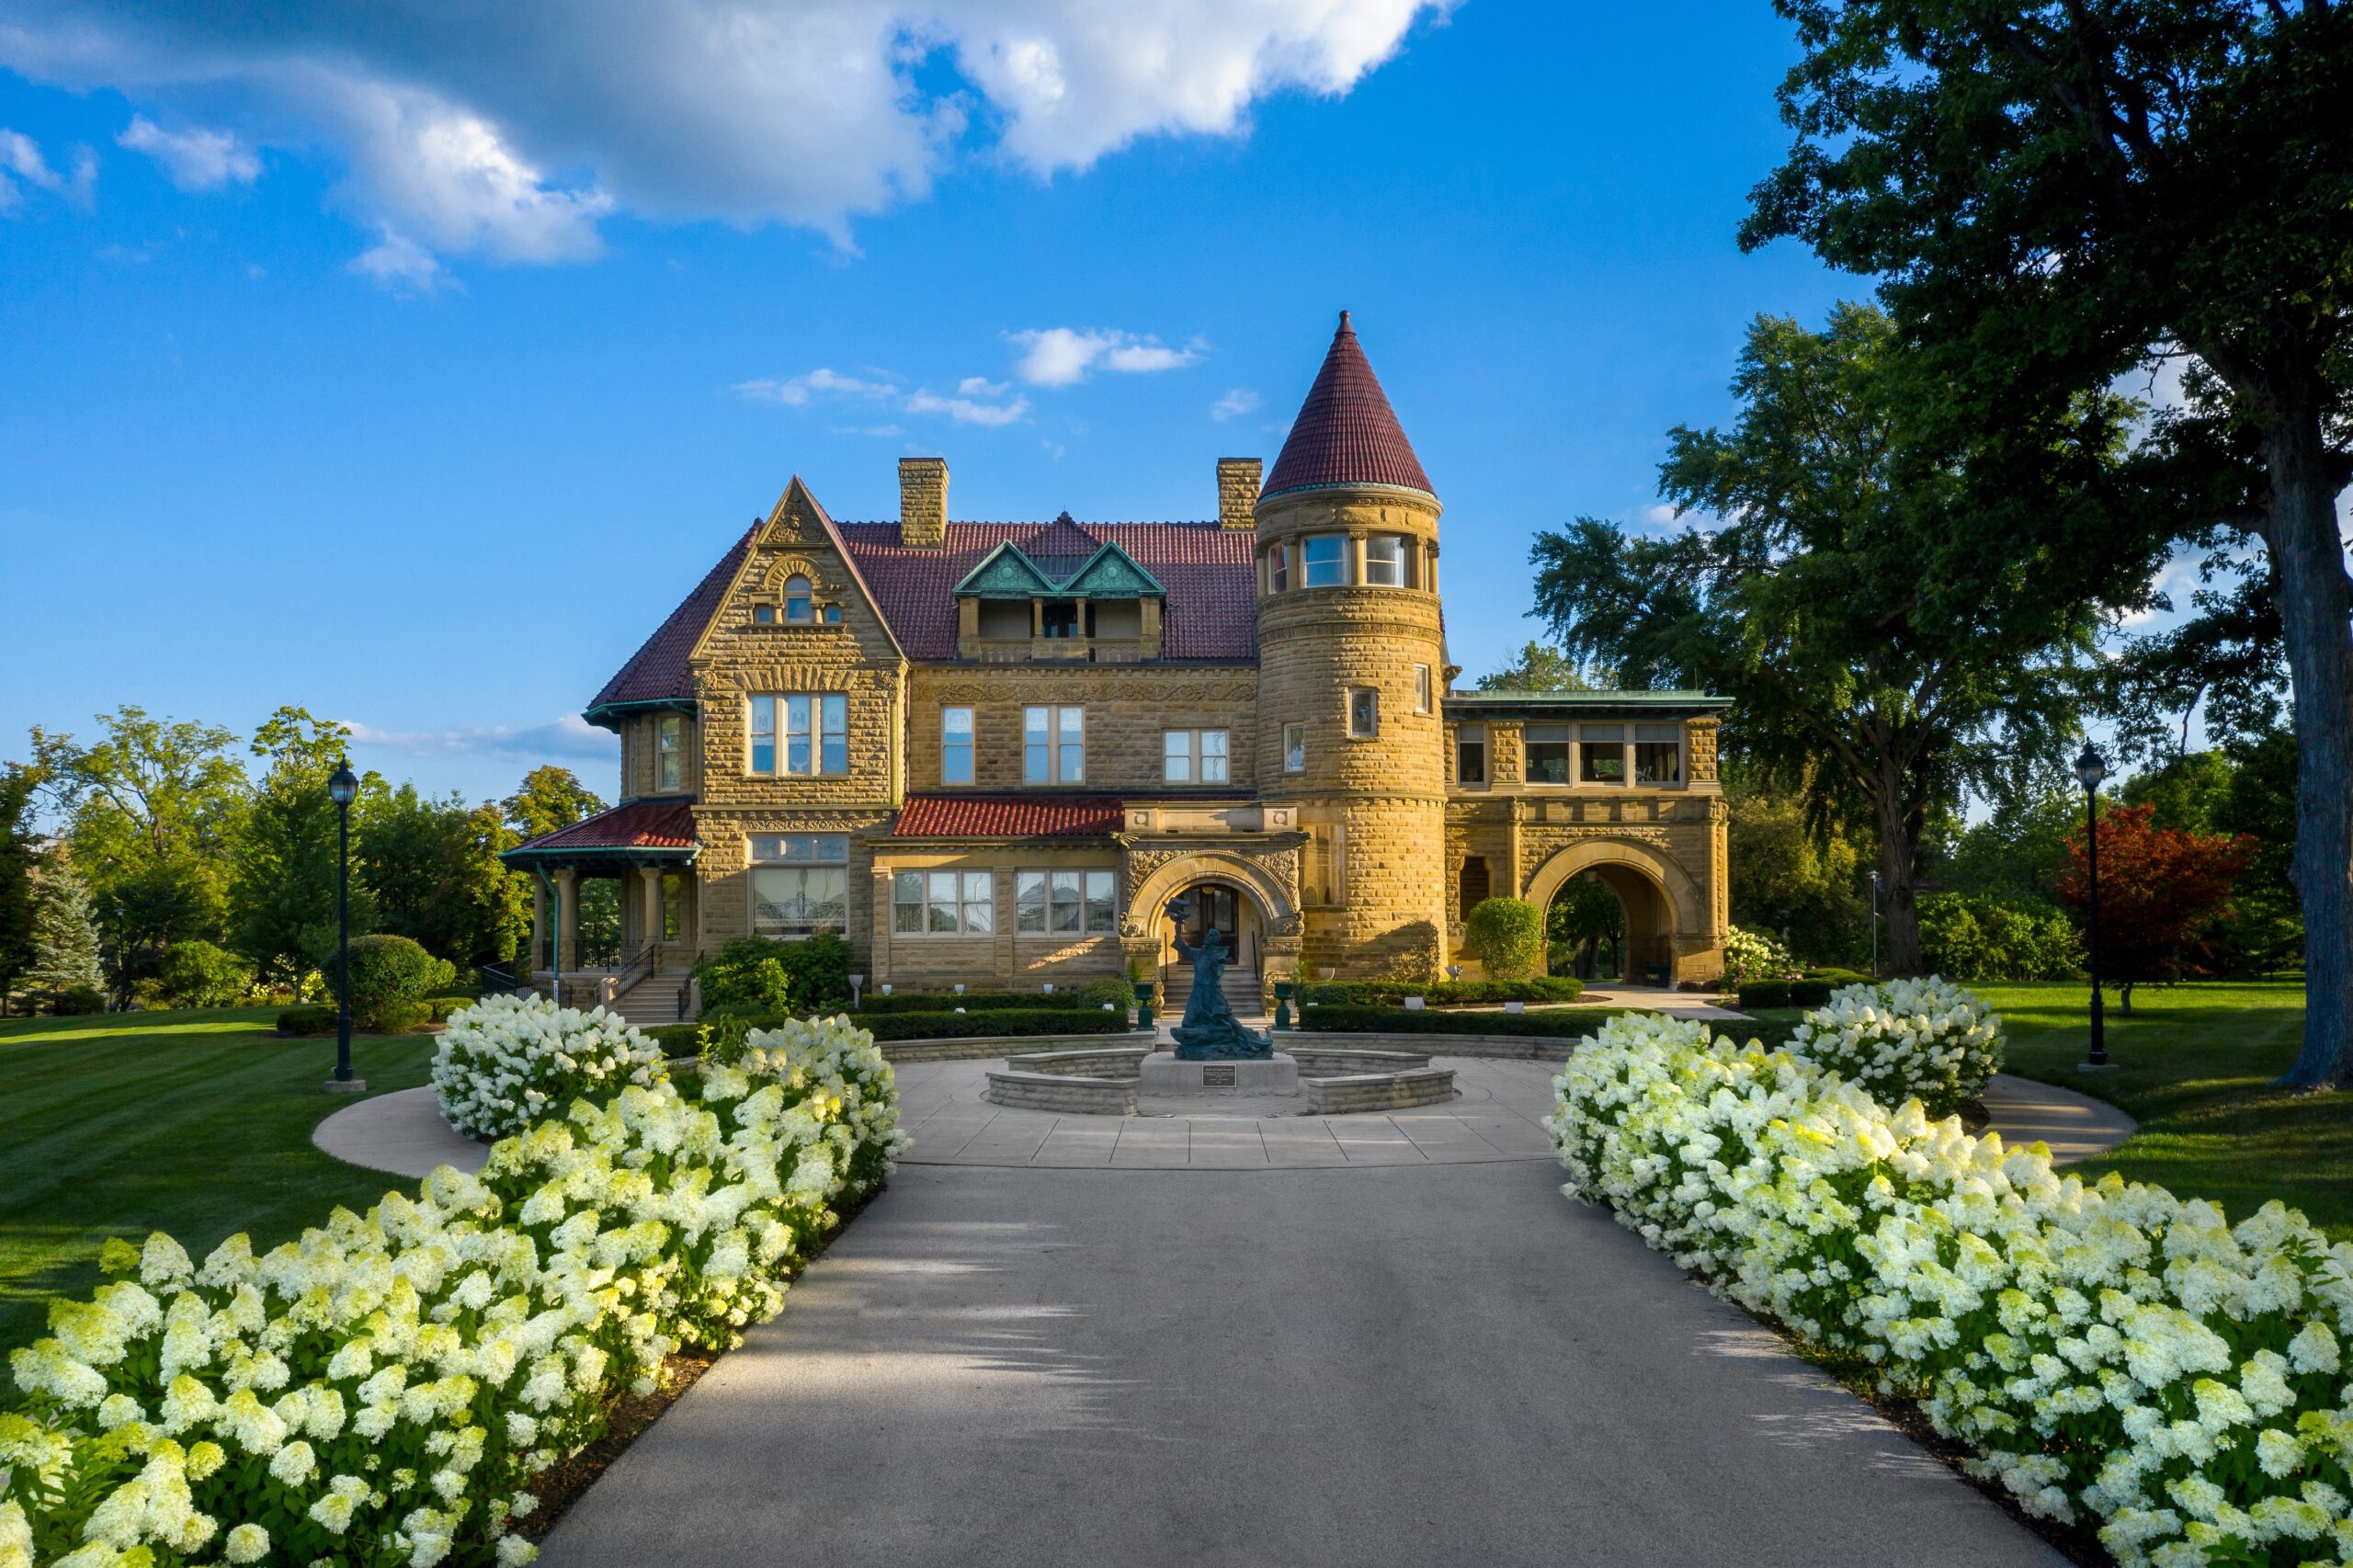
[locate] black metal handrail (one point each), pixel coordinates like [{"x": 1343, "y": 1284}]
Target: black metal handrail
[{"x": 644, "y": 962}]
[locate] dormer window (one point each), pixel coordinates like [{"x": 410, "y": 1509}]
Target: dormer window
[{"x": 796, "y": 600}]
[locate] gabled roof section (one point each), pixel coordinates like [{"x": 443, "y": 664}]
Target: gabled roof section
[
  {"x": 1113, "y": 573},
  {"x": 1106, "y": 572},
  {"x": 1005, "y": 572},
  {"x": 657, "y": 671},
  {"x": 648, "y": 829},
  {"x": 1346, "y": 432}
]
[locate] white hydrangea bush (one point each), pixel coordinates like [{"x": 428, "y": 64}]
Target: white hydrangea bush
[
  {"x": 380, "y": 1392},
  {"x": 1755, "y": 955},
  {"x": 1924, "y": 1039},
  {"x": 508, "y": 1061},
  {"x": 2115, "y": 1355}
]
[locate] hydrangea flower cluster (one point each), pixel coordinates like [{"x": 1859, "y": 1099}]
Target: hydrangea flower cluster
[
  {"x": 2112, "y": 1352},
  {"x": 379, "y": 1393},
  {"x": 1755, "y": 955},
  {"x": 1924, "y": 1039},
  {"x": 508, "y": 1061}
]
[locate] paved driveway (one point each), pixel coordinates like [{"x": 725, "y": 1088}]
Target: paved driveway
[{"x": 1416, "y": 1364}]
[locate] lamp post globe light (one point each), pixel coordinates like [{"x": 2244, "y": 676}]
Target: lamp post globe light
[
  {"x": 343, "y": 789},
  {"x": 2091, "y": 770}
]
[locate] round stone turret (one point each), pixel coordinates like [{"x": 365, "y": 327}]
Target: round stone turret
[{"x": 1351, "y": 665}]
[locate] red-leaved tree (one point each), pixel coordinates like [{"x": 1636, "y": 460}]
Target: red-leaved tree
[{"x": 2160, "y": 890}]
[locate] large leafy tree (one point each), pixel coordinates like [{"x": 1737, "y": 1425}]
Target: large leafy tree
[
  {"x": 549, "y": 797},
  {"x": 152, "y": 808},
  {"x": 2060, "y": 191},
  {"x": 1539, "y": 667},
  {"x": 433, "y": 870},
  {"x": 1864, "y": 585},
  {"x": 19, "y": 863},
  {"x": 283, "y": 896},
  {"x": 2162, "y": 890}
]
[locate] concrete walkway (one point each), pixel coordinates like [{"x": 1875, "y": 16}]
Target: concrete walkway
[
  {"x": 402, "y": 1132},
  {"x": 1419, "y": 1365},
  {"x": 2076, "y": 1126}
]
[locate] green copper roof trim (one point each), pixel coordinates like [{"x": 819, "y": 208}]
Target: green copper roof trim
[
  {"x": 596, "y": 854},
  {"x": 1004, "y": 573},
  {"x": 1113, "y": 573},
  {"x": 608, "y": 715},
  {"x": 1008, "y": 573},
  {"x": 1698, "y": 701}
]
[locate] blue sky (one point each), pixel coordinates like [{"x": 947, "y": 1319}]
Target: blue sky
[{"x": 345, "y": 371}]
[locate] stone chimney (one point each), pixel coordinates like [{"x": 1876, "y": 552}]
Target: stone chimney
[
  {"x": 1237, "y": 492},
  {"x": 922, "y": 501}
]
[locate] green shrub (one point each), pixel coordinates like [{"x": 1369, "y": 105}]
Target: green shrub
[
  {"x": 1562, "y": 1022},
  {"x": 1964, "y": 936},
  {"x": 438, "y": 1008},
  {"x": 1120, "y": 995},
  {"x": 747, "y": 973},
  {"x": 1771, "y": 994},
  {"x": 198, "y": 975},
  {"x": 1506, "y": 935},
  {"x": 818, "y": 968},
  {"x": 1835, "y": 977},
  {"x": 391, "y": 977},
  {"x": 77, "y": 1001},
  {"x": 976, "y": 1002},
  {"x": 675, "y": 1038},
  {"x": 1446, "y": 994},
  {"x": 306, "y": 1020}
]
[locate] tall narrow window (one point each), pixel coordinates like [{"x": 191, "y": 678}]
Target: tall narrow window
[
  {"x": 1279, "y": 569},
  {"x": 1053, "y": 745},
  {"x": 1364, "y": 713},
  {"x": 1471, "y": 755},
  {"x": 796, "y": 599},
  {"x": 955, "y": 745},
  {"x": 1548, "y": 754},
  {"x": 1295, "y": 749},
  {"x": 1658, "y": 753},
  {"x": 669, "y": 752},
  {"x": 1325, "y": 562},
  {"x": 1384, "y": 561},
  {"x": 815, "y": 734},
  {"x": 1602, "y": 748},
  {"x": 1421, "y": 688},
  {"x": 673, "y": 906}
]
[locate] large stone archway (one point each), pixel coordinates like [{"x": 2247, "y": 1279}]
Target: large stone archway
[
  {"x": 1159, "y": 875},
  {"x": 1669, "y": 926}
]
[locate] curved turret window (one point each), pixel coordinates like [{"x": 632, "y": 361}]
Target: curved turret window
[
  {"x": 1323, "y": 561},
  {"x": 1384, "y": 561},
  {"x": 796, "y": 599}
]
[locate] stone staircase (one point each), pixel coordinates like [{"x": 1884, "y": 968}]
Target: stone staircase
[
  {"x": 1240, "y": 985},
  {"x": 651, "y": 1002}
]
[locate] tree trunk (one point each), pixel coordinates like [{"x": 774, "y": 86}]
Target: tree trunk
[
  {"x": 1898, "y": 857},
  {"x": 2315, "y": 599}
]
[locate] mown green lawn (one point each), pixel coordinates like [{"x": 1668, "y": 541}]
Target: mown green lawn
[
  {"x": 197, "y": 1123},
  {"x": 2193, "y": 1065}
]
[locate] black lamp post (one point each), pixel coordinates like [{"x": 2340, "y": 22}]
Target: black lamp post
[
  {"x": 2091, "y": 768},
  {"x": 343, "y": 789}
]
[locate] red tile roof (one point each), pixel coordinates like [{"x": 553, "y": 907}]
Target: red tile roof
[
  {"x": 639, "y": 824},
  {"x": 658, "y": 669},
  {"x": 1209, "y": 571},
  {"x": 1010, "y": 817},
  {"x": 1346, "y": 432}
]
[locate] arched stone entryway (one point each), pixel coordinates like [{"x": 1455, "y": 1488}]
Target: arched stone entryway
[
  {"x": 1266, "y": 924},
  {"x": 1666, "y": 913}
]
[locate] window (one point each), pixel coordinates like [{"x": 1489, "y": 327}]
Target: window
[
  {"x": 1658, "y": 753},
  {"x": 1295, "y": 749},
  {"x": 1473, "y": 886},
  {"x": 955, "y": 745},
  {"x": 800, "y": 883},
  {"x": 943, "y": 903},
  {"x": 1603, "y": 747},
  {"x": 1193, "y": 756},
  {"x": 763, "y": 615},
  {"x": 1421, "y": 688},
  {"x": 673, "y": 905},
  {"x": 1053, "y": 745},
  {"x": 1279, "y": 569},
  {"x": 1471, "y": 755},
  {"x": 1324, "y": 564},
  {"x": 1069, "y": 903},
  {"x": 1323, "y": 878},
  {"x": 1548, "y": 754},
  {"x": 816, "y": 738},
  {"x": 669, "y": 752},
  {"x": 1058, "y": 619},
  {"x": 1364, "y": 714},
  {"x": 796, "y": 599},
  {"x": 833, "y": 615},
  {"x": 1384, "y": 561}
]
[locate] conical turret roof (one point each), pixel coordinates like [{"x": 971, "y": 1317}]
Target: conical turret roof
[{"x": 1346, "y": 432}]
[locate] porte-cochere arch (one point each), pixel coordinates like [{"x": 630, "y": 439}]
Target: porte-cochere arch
[{"x": 1671, "y": 932}]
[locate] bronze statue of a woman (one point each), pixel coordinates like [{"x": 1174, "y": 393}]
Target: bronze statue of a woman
[{"x": 1210, "y": 1032}]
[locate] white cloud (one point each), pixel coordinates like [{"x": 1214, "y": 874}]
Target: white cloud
[
  {"x": 1233, "y": 404},
  {"x": 196, "y": 159},
  {"x": 796, "y": 393},
  {"x": 1059, "y": 356},
  {"x": 21, "y": 160},
  {"x": 808, "y": 112},
  {"x": 981, "y": 386},
  {"x": 569, "y": 736},
  {"x": 402, "y": 265},
  {"x": 965, "y": 410}
]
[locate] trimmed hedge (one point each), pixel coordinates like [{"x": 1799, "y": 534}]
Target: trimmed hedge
[
  {"x": 975, "y": 1002},
  {"x": 685, "y": 1039},
  {"x": 1840, "y": 976},
  {"x": 306, "y": 1020},
  {"x": 1446, "y": 993},
  {"x": 395, "y": 1017},
  {"x": 1785, "y": 994},
  {"x": 1550, "y": 1023}
]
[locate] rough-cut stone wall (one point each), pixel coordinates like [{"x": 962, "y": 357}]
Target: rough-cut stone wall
[
  {"x": 1128, "y": 708},
  {"x": 1237, "y": 492},
  {"x": 922, "y": 501}
]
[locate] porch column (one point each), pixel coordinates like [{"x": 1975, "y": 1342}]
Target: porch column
[
  {"x": 538, "y": 958},
  {"x": 567, "y": 924},
  {"x": 652, "y": 929}
]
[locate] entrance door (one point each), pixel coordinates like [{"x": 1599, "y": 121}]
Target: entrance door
[{"x": 1215, "y": 907}]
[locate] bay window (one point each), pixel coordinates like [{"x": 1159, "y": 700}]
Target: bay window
[{"x": 800, "y": 883}]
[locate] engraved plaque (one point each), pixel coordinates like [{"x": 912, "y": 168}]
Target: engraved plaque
[{"x": 1217, "y": 1077}]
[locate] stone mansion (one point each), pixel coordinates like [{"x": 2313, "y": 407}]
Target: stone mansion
[{"x": 994, "y": 753}]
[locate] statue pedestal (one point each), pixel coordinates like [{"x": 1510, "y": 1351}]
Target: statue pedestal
[{"x": 1165, "y": 1075}]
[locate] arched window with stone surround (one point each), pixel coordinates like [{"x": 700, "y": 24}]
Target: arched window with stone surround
[{"x": 796, "y": 599}]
